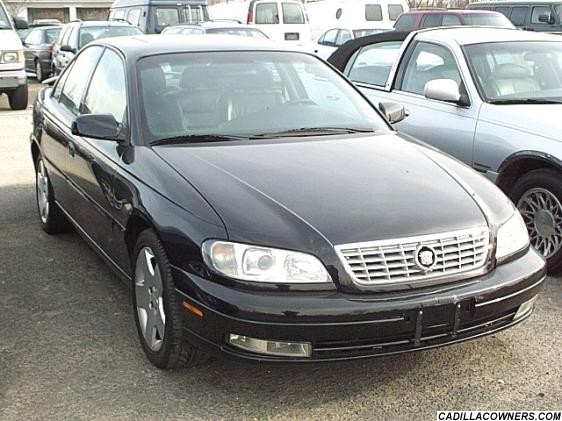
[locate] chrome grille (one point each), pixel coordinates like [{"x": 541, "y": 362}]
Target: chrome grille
[{"x": 391, "y": 261}]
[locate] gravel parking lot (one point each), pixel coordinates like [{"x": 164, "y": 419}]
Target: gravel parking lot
[{"x": 68, "y": 347}]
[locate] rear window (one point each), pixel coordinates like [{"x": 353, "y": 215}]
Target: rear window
[
  {"x": 267, "y": 13},
  {"x": 292, "y": 13},
  {"x": 194, "y": 14},
  {"x": 167, "y": 16},
  {"x": 373, "y": 12},
  {"x": 394, "y": 10},
  {"x": 405, "y": 22},
  {"x": 488, "y": 19},
  {"x": 92, "y": 33},
  {"x": 51, "y": 35},
  {"x": 241, "y": 32}
]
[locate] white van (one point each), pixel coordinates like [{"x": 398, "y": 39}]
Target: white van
[
  {"x": 367, "y": 14},
  {"x": 13, "y": 80},
  {"x": 280, "y": 20}
]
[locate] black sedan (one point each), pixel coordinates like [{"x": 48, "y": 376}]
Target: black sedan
[
  {"x": 260, "y": 207},
  {"x": 38, "y": 50}
]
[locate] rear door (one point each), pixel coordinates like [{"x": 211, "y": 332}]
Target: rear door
[{"x": 295, "y": 22}]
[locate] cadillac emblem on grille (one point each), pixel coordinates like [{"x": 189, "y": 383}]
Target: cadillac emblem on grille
[{"x": 425, "y": 258}]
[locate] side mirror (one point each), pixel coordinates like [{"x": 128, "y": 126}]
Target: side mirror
[
  {"x": 547, "y": 18},
  {"x": 96, "y": 126},
  {"x": 393, "y": 111},
  {"x": 445, "y": 90},
  {"x": 20, "y": 23},
  {"x": 68, "y": 49}
]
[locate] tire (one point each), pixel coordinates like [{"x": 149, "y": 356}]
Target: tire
[
  {"x": 153, "y": 296},
  {"x": 39, "y": 75},
  {"x": 18, "y": 98},
  {"x": 538, "y": 196},
  {"x": 51, "y": 217}
]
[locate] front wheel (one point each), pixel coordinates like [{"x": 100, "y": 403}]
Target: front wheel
[
  {"x": 18, "y": 98},
  {"x": 157, "y": 308},
  {"x": 538, "y": 196}
]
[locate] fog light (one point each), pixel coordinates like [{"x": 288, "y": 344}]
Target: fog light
[
  {"x": 278, "y": 348},
  {"x": 525, "y": 308}
]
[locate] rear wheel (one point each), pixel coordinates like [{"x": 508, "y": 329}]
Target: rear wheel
[
  {"x": 157, "y": 308},
  {"x": 18, "y": 98},
  {"x": 52, "y": 219},
  {"x": 39, "y": 71},
  {"x": 538, "y": 196}
]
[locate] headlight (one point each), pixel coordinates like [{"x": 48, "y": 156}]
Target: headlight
[
  {"x": 512, "y": 237},
  {"x": 10, "y": 57},
  {"x": 263, "y": 264}
]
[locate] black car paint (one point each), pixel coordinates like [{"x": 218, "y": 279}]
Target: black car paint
[{"x": 304, "y": 195}]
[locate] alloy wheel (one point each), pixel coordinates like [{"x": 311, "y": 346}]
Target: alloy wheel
[
  {"x": 542, "y": 213},
  {"x": 38, "y": 71},
  {"x": 42, "y": 187},
  {"x": 149, "y": 299}
]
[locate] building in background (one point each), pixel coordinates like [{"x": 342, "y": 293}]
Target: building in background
[{"x": 65, "y": 11}]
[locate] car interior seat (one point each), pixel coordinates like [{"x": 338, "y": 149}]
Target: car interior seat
[
  {"x": 508, "y": 79},
  {"x": 200, "y": 95}
]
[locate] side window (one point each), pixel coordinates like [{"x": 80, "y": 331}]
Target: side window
[
  {"x": 167, "y": 16},
  {"x": 133, "y": 16},
  {"x": 504, "y": 10},
  {"x": 539, "y": 11},
  {"x": 33, "y": 37},
  {"x": 60, "y": 82},
  {"x": 78, "y": 77},
  {"x": 117, "y": 14},
  {"x": 432, "y": 20},
  {"x": 372, "y": 63},
  {"x": 518, "y": 15},
  {"x": 394, "y": 10},
  {"x": 450, "y": 20},
  {"x": 405, "y": 22},
  {"x": 429, "y": 62},
  {"x": 267, "y": 13},
  {"x": 373, "y": 12},
  {"x": 330, "y": 37},
  {"x": 343, "y": 36},
  {"x": 107, "y": 91}
]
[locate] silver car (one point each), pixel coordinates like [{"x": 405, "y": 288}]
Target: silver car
[{"x": 490, "y": 97}]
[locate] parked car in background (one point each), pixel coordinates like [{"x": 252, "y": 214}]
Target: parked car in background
[
  {"x": 224, "y": 28},
  {"x": 430, "y": 18},
  {"x": 333, "y": 38},
  {"x": 280, "y": 20},
  {"x": 152, "y": 16},
  {"x": 539, "y": 16},
  {"x": 327, "y": 14},
  {"x": 490, "y": 97},
  {"x": 23, "y": 33},
  {"x": 75, "y": 35},
  {"x": 38, "y": 50},
  {"x": 196, "y": 166},
  {"x": 13, "y": 80}
]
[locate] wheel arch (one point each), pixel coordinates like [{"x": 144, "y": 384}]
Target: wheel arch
[
  {"x": 520, "y": 163},
  {"x": 137, "y": 223},
  {"x": 35, "y": 153}
]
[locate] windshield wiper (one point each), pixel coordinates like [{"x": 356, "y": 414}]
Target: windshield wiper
[
  {"x": 525, "y": 101},
  {"x": 196, "y": 138},
  {"x": 312, "y": 131}
]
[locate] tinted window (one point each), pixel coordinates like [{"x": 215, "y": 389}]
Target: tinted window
[
  {"x": 373, "y": 12},
  {"x": 107, "y": 92},
  {"x": 429, "y": 62},
  {"x": 450, "y": 20},
  {"x": 267, "y": 13},
  {"x": 394, "y": 10},
  {"x": 292, "y": 13},
  {"x": 78, "y": 77},
  {"x": 92, "y": 33},
  {"x": 373, "y": 63},
  {"x": 60, "y": 82},
  {"x": 51, "y": 35},
  {"x": 133, "y": 17},
  {"x": 405, "y": 22},
  {"x": 167, "y": 16},
  {"x": 504, "y": 10},
  {"x": 343, "y": 36},
  {"x": 538, "y": 11},
  {"x": 487, "y": 19},
  {"x": 518, "y": 15},
  {"x": 432, "y": 20}
]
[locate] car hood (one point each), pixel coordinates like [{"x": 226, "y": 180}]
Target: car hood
[
  {"x": 301, "y": 194},
  {"x": 9, "y": 40},
  {"x": 541, "y": 119}
]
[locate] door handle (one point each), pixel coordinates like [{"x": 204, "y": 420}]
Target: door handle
[{"x": 71, "y": 149}]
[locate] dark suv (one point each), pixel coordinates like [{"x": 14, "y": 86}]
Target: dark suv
[
  {"x": 76, "y": 35},
  {"x": 429, "y": 18}
]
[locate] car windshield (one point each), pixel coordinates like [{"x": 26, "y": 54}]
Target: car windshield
[
  {"x": 92, "y": 33},
  {"x": 248, "y": 94},
  {"x": 487, "y": 19},
  {"x": 4, "y": 20},
  {"x": 518, "y": 71},
  {"x": 241, "y": 32}
]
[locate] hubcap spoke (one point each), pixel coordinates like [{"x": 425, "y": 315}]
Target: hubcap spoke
[
  {"x": 542, "y": 213},
  {"x": 42, "y": 192}
]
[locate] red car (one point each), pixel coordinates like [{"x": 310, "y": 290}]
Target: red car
[{"x": 429, "y": 18}]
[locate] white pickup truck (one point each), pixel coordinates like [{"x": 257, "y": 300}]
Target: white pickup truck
[{"x": 13, "y": 80}]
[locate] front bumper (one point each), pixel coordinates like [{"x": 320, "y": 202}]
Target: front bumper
[
  {"x": 11, "y": 79},
  {"x": 345, "y": 326}
]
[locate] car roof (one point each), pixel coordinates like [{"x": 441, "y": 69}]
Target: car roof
[
  {"x": 466, "y": 35},
  {"x": 100, "y": 23},
  {"x": 448, "y": 11},
  {"x": 208, "y": 25},
  {"x": 134, "y": 47}
]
